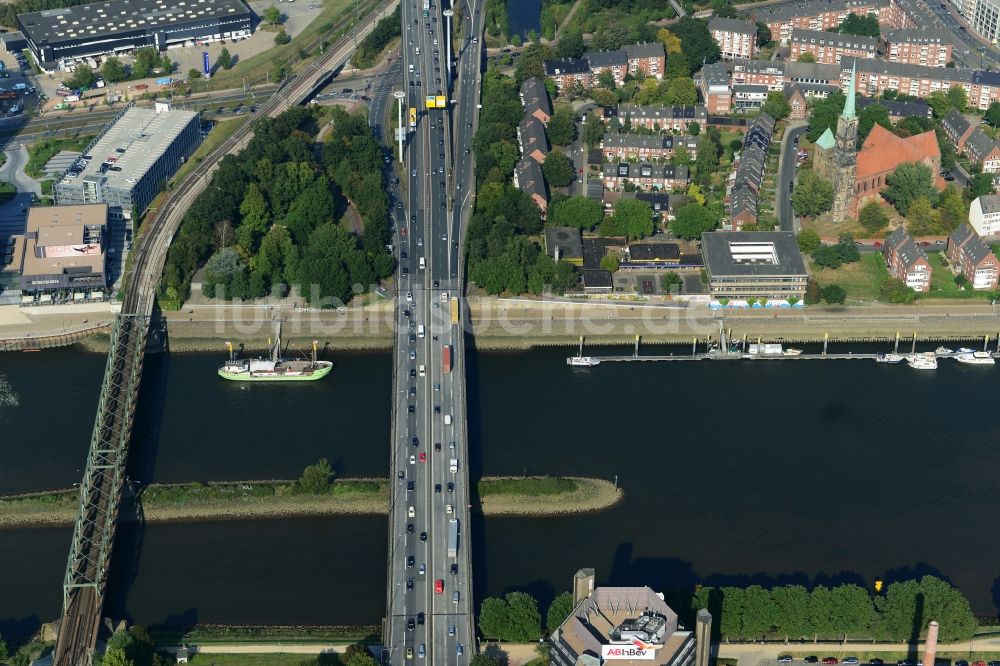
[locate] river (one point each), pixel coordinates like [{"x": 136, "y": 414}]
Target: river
[{"x": 765, "y": 472}]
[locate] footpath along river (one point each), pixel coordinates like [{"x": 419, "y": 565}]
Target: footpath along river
[{"x": 767, "y": 472}]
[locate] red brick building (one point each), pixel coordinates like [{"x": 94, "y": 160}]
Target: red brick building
[
  {"x": 973, "y": 257},
  {"x": 827, "y": 14},
  {"x": 770, "y": 73},
  {"x": 905, "y": 260},
  {"x": 883, "y": 151},
  {"x": 876, "y": 76},
  {"x": 736, "y": 39},
  {"x": 830, "y": 47},
  {"x": 918, "y": 47}
]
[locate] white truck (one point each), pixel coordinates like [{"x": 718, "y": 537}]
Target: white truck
[
  {"x": 453, "y": 465},
  {"x": 453, "y": 538}
]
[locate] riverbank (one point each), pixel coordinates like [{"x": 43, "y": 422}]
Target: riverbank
[{"x": 271, "y": 499}]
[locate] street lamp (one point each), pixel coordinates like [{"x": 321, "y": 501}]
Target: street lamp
[
  {"x": 400, "y": 129},
  {"x": 447, "y": 33}
]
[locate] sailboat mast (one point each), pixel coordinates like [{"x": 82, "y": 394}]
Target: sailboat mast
[{"x": 276, "y": 350}]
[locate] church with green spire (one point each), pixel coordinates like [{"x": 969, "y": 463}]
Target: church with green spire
[{"x": 836, "y": 156}]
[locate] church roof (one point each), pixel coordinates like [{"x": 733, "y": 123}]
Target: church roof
[
  {"x": 851, "y": 92},
  {"x": 826, "y": 142},
  {"x": 883, "y": 151}
]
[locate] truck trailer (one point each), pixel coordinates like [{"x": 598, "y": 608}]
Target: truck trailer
[
  {"x": 453, "y": 538},
  {"x": 446, "y": 358}
]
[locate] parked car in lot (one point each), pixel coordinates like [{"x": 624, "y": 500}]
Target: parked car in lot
[
  {"x": 850, "y": 660},
  {"x": 829, "y": 661},
  {"x": 785, "y": 659}
]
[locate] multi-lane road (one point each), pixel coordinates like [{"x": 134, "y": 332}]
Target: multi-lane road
[{"x": 429, "y": 589}]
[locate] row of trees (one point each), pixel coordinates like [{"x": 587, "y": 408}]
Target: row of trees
[
  {"x": 146, "y": 62},
  {"x": 515, "y": 617},
  {"x": 269, "y": 217},
  {"x": 371, "y": 47}
]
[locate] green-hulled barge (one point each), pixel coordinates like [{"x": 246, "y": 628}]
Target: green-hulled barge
[{"x": 276, "y": 368}]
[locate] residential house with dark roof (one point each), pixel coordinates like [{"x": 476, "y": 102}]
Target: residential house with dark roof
[
  {"x": 813, "y": 73},
  {"x": 616, "y": 146},
  {"x": 783, "y": 18},
  {"x": 874, "y": 77},
  {"x": 919, "y": 46},
  {"x": 748, "y": 97},
  {"x": 829, "y": 47},
  {"x": 648, "y": 58},
  {"x": 661, "y": 118},
  {"x": 714, "y": 84},
  {"x": 569, "y": 71},
  {"x": 528, "y": 178},
  {"x": 615, "y": 62},
  {"x": 664, "y": 205},
  {"x": 984, "y": 215},
  {"x": 644, "y": 175},
  {"x": 736, "y": 38},
  {"x": 796, "y": 101},
  {"x": 898, "y": 110},
  {"x": 531, "y": 137},
  {"x": 770, "y": 73},
  {"x": 983, "y": 150},
  {"x": 535, "y": 99},
  {"x": 906, "y": 261},
  {"x": 745, "y": 182},
  {"x": 973, "y": 257},
  {"x": 565, "y": 244},
  {"x": 957, "y": 128}
]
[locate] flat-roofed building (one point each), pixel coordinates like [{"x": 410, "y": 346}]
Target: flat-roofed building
[
  {"x": 715, "y": 90},
  {"x": 906, "y": 260},
  {"x": 564, "y": 243},
  {"x": 535, "y": 99},
  {"x": 736, "y": 38},
  {"x": 973, "y": 257},
  {"x": 609, "y": 625},
  {"x": 749, "y": 97},
  {"x": 528, "y": 179},
  {"x": 829, "y": 47},
  {"x": 62, "y": 250},
  {"x": 654, "y": 255},
  {"x": 753, "y": 264},
  {"x": 617, "y": 146},
  {"x": 643, "y": 175},
  {"x": 984, "y": 215},
  {"x": 71, "y": 34},
  {"x": 127, "y": 165},
  {"x": 919, "y": 46}
]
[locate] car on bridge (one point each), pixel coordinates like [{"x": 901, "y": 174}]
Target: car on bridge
[{"x": 439, "y": 586}]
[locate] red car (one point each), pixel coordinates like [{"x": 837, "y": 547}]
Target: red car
[
  {"x": 830, "y": 660},
  {"x": 439, "y": 586},
  {"x": 877, "y": 244},
  {"x": 423, "y": 457},
  {"x": 402, "y": 231}
]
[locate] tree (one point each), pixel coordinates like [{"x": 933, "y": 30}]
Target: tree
[
  {"x": 570, "y": 44},
  {"x": 113, "y": 70},
  {"x": 791, "y": 604},
  {"x": 993, "y": 114},
  {"x": 692, "y": 220},
  {"x": 272, "y": 15},
  {"x": 922, "y": 218},
  {"x": 632, "y": 218},
  {"x": 593, "y": 130},
  {"x": 813, "y": 296},
  {"x": 909, "y": 181},
  {"x": 834, "y": 294},
  {"x": 671, "y": 42},
  {"x": 532, "y": 62},
  {"x": 939, "y": 102},
  {"x": 834, "y": 256},
  {"x": 952, "y": 209},
  {"x": 980, "y": 184},
  {"x": 695, "y": 195},
  {"x": 194, "y": 73},
  {"x": 281, "y": 37},
  {"x": 513, "y": 618},
  {"x": 581, "y": 212},
  {"x": 707, "y": 159},
  {"x": 808, "y": 240},
  {"x": 610, "y": 262},
  {"x": 823, "y": 115},
  {"x": 606, "y": 79},
  {"x": 559, "y": 610},
  {"x": 813, "y": 195},
  {"x": 723, "y": 9},
  {"x": 777, "y": 105},
  {"x": 959, "y": 98},
  {"x": 759, "y": 611},
  {"x": 763, "y": 34},
  {"x": 694, "y": 129},
  {"x": 557, "y": 169},
  {"x": 697, "y": 42},
  {"x": 865, "y": 26},
  {"x": 256, "y": 217},
  {"x": 316, "y": 479},
  {"x": 225, "y": 60},
  {"x": 868, "y": 117},
  {"x": 562, "y": 126},
  {"x": 115, "y": 656},
  {"x": 873, "y": 217},
  {"x": 681, "y": 92},
  {"x": 83, "y": 77},
  {"x": 671, "y": 282},
  {"x": 806, "y": 56},
  {"x": 895, "y": 290},
  {"x": 484, "y": 660}
]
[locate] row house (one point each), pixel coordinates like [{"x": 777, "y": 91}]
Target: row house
[
  {"x": 830, "y": 47},
  {"x": 906, "y": 261},
  {"x": 532, "y": 140},
  {"x": 568, "y": 72},
  {"x": 957, "y": 128},
  {"x": 645, "y": 176},
  {"x": 528, "y": 179},
  {"x": 659, "y": 118},
  {"x": 874, "y": 77},
  {"x": 984, "y": 215},
  {"x": 813, "y": 73},
  {"x": 770, "y": 73},
  {"x": 745, "y": 182},
  {"x": 973, "y": 257},
  {"x": 608, "y": 61},
  {"x": 826, "y": 15},
  {"x": 983, "y": 150},
  {"x": 898, "y": 110},
  {"x": 736, "y": 38},
  {"x": 748, "y": 97},
  {"x": 648, "y": 59},
  {"x": 918, "y": 47},
  {"x": 645, "y": 147},
  {"x": 535, "y": 99},
  {"x": 715, "y": 90}
]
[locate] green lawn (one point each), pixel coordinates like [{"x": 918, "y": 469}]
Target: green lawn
[
  {"x": 42, "y": 151},
  {"x": 861, "y": 280},
  {"x": 223, "y": 130},
  {"x": 260, "y": 659},
  {"x": 942, "y": 281}
]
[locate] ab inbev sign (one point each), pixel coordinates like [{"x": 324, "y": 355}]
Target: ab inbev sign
[{"x": 637, "y": 649}]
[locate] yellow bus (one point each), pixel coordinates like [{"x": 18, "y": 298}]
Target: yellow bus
[
  {"x": 431, "y": 102},
  {"x": 413, "y": 117},
  {"x": 442, "y": 102},
  {"x": 454, "y": 309}
]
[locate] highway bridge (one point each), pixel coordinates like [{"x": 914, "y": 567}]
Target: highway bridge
[
  {"x": 101, "y": 489},
  {"x": 429, "y": 584}
]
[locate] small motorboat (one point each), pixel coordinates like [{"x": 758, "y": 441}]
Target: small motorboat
[
  {"x": 583, "y": 361},
  {"x": 926, "y": 361},
  {"x": 970, "y": 357},
  {"x": 890, "y": 358},
  {"x": 791, "y": 352},
  {"x": 943, "y": 351}
]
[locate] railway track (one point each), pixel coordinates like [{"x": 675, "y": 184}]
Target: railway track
[{"x": 100, "y": 493}]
